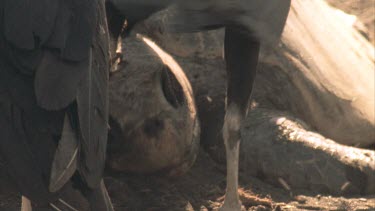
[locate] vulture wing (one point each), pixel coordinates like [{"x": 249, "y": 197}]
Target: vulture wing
[{"x": 49, "y": 71}]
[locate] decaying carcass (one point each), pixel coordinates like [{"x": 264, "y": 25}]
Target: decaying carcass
[{"x": 153, "y": 118}]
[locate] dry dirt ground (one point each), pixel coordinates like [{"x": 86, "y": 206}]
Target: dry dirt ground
[{"x": 203, "y": 187}]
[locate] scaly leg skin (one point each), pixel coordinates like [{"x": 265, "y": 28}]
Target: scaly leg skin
[
  {"x": 231, "y": 135},
  {"x": 241, "y": 56}
]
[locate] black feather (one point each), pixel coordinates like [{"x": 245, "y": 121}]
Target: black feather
[
  {"x": 18, "y": 23},
  {"x": 14, "y": 150},
  {"x": 99, "y": 198},
  {"x": 43, "y": 18},
  {"x": 81, "y": 29},
  {"x": 29, "y": 23},
  {"x": 57, "y": 80},
  {"x": 92, "y": 104},
  {"x": 26, "y": 152},
  {"x": 25, "y": 60},
  {"x": 93, "y": 118},
  {"x": 61, "y": 29},
  {"x": 66, "y": 156},
  {"x": 44, "y": 68},
  {"x": 18, "y": 87}
]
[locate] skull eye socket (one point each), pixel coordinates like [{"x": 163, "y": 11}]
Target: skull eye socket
[{"x": 171, "y": 88}]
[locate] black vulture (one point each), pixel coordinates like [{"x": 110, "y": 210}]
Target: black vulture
[
  {"x": 53, "y": 101},
  {"x": 248, "y": 25}
]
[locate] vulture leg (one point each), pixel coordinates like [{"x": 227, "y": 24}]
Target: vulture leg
[{"x": 241, "y": 56}]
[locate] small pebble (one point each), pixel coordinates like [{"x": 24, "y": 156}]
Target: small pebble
[{"x": 300, "y": 199}]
